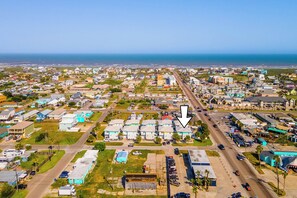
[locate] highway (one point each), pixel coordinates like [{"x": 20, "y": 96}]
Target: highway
[{"x": 247, "y": 173}]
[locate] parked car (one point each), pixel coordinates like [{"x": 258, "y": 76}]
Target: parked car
[
  {"x": 131, "y": 145},
  {"x": 221, "y": 146},
  {"x": 176, "y": 151},
  {"x": 33, "y": 173},
  {"x": 182, "y": 195},
  {"x": 21, "y": 186},
  {"x": 236, "y": 173},
  {"x": 248, "y": 187},
  {"x": 64, "y": 174}
]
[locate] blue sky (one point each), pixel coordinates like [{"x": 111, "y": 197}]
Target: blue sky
[{"x": 148, "y": 26}]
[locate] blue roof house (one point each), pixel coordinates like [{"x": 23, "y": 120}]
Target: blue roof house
[{"x": 43, "y": 115}]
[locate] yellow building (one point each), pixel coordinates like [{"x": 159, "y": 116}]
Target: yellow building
[
  {"x": 2, "y": 98},
  {"x": 160, "y": 80}
]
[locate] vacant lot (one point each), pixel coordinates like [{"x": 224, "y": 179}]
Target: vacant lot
[
  {"x": 52, "y": 135},
  {"x": 104, "y": 169}
]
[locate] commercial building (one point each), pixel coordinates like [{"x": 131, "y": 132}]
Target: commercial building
[{"x": 201, "y": 166}]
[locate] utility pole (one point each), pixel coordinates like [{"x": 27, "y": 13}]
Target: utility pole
[{"x": 17, "y": 179}]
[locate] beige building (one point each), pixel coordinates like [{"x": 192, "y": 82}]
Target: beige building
[{"x": 25, "y": 129}]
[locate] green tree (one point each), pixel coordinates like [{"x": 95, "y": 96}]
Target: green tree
[
  {"x": 6, "y": 190},
  {"x": 91, "y": 139},
  {"x": 100, "y": 146},
  {"x": 206, "y": 179},
  {"x": 19, "y": 146},
  {"x": 277, "y": 163},
  {"x": 259, "y": 150},
  {"x": 187, "y": 138},
  {"x": 138, "y": 139},
  {"x": 71, "y": 104},
  {"x": 28, "y": 147},
  {"x": 195, "y": 190},
  {"x": 158, "y": 140},
  {"x": 176, "y": 137}
]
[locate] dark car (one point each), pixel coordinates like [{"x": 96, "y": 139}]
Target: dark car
[
  {"x": 221, "y": 146},
  {"x": 21, "y": 186},
  {"x": 182, "y": 195},
  {"x": 215, "y": 126},
  {"x": 248, "y": 187},
  {"x": 237, "y": 173},
  {"x": 131, "y": 145},
  {"x": 33, "y": 173},
  {"x": 176, "y": 151},
  {"x": 240, "y": 157},
  {"x": 64, "y": 174}
]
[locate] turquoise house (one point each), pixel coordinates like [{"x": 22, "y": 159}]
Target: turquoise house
[
  {"x": 82, "y": 115},
  {"x": 262, "y": 141},
  {"x": 41, "y": 102}
]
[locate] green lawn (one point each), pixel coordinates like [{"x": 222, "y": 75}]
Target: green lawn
[
  {"x": 140, "y": 88},
  {"x": 206, "y": 142},
  {"x": 96, "y": 116},
  {"x": 38, "y": 158},
  {"x": 100, "y": 133},
  {"x": 212, "y": 153},
  {"x": 112, "y": 82},
  {"x": 105, "y": 168},
  {"x": 253, "y": 158},
  {"x": 80, "y": 154},
  {"x": 275, "y": 72},
  {"x": 50, "y": 164},
  {"x": 114, "y": 143},
  {"x": 54, "y": 135},
  {"x": 147, "y": 144},
  {"x": 20, "y": 194}
]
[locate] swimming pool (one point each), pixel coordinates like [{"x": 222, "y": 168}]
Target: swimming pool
[{"x": 122, "y": 156}]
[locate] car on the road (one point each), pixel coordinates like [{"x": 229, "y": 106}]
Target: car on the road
[
  {"x": 199, "y": 110},
  {"x": 240, "y": 157},
  {"x": 131, "y": 145},
  {"x": 33, "y": 173},
  {"x": 176, "y": 151},
  {"x": 164, "y": 143},
  {"x": 248, "y": 187},
  {"x": 206, "y": 114},
  {"x": 64, "y": 174},
  {"x": 182, "y": 195},
  {"x": 204, "y": 109},
  {"x": 221, "y": 147},
  {"x": 237, "y": 173},
  {"x": 215, "y": 126}
]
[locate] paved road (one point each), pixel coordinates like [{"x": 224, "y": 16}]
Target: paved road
[
  {"x": 247, "y": 172},
  {"x": 40, "y": 183}
]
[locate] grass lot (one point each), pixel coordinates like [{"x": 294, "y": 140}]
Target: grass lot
[
  {"x": 100, "y": 133},
  {"x": 54, "y": 136},
  {"x": 275, "y": 72},
  {"x": 253, "y": 158},
  {"x": 80, "y": 154},
  {"x": 212, "y": 153},
  {"x": 274, "y": 188},
  {"x": 112, "y": 82},
  {"x": 207, "y": 142},
  {"x": 176, "y": 90},
  {"x": 96, "y": 116},
  {"x": 38, "y": 158},
  {"x": 116, "y": 115},
  {"x": 20, "y": 194},
  {"x": 147, "y": 144},
  {"x": 140, "y": 88},
  {"x": 149, "y": 116},
  {"x": 50, "y": 164},
  {"x": 114, "y": 143},
  {"x": 105, "y": 168}
]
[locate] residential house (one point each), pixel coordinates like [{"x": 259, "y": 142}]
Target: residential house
[
  {"x": 57, "y": 114},
  {"x": 112, "y": 132},
  {"x": 148, "y": 132},
  {"x": 165, "y": 132},
  {"x": 24, "y": 129},
  {"x": 7, "y": 114},
  {"x": 83, "y": 115},
  {"x": 68, "y": 122},
  {"x": 183, "y": 132},
  {"x": 130, "y": 131},
  {"x": 116, "y": 122},
  {"x": 43, "y": 114}
]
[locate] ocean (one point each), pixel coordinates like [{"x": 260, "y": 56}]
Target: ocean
[{"x": 193, "y": 60}]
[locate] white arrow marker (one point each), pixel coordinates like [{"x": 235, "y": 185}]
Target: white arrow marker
[{"x": 184, "y": 120}]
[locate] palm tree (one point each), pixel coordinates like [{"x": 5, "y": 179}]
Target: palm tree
[
  {"x": 277, "y": 163},
  {"x": 198, "y": 179},
  {"x": 206, "y": 179},
  {"x": 259, "y": 150},
  {"x": 195, "y": 190},
  {"x": 285, "y": 174}
]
